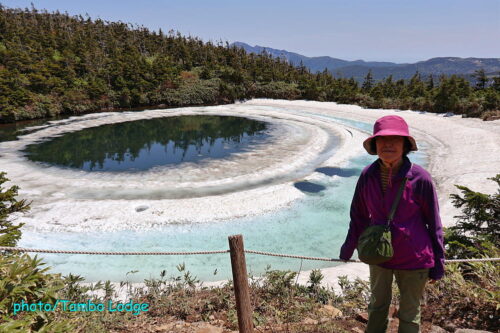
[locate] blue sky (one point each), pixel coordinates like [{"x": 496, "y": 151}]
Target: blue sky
[{"x": 382, "y": 30}]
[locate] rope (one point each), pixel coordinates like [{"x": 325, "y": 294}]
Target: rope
[
  {"x": 357, "y": 261},
  {"x": 20, "y": 249},
  {"x": 297, "y": 257},
  {"x": 471, "y": 260}
]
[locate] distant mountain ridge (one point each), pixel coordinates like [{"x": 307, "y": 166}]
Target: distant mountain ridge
[
  {"x": 359, "y": 68},
  {"x": 313, "y": 63}
]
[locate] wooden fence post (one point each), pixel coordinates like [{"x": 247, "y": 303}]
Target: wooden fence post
[{"x": 240, "y": 278}]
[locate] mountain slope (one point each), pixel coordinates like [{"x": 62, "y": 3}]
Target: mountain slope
[
  {"x": 313, "y": 63},
  {"x": 359, "y": 68}
]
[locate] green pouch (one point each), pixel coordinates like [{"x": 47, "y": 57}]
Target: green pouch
[{"x": 374, "y": 245}]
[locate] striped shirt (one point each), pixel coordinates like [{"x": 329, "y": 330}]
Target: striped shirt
[{"x": 387, "y": 173}]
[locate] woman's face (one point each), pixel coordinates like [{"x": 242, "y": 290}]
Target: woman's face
[{"x": 390, "y": 148}]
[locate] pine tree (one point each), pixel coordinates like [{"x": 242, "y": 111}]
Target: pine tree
[
  {"x": 430, "y": 82},
  {"x": 481, "y": 79},
  {"x": 368, "y": 82},
  {"x": 10, "y": 233},
  {"x": 496, "y": 83},
  {"x": 416, "y": 86},
  {"x": 479, "y": 219}
]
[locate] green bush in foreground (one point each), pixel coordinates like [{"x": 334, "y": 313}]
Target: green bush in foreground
[
  {"x": 22, "y": 277},
  {"x": 9, "y": 232},
  {"x": 477, "y": 230},
  {"x": 471, "y": 290}
]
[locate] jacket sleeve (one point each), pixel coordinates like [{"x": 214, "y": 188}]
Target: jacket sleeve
[
  {"x": 360, "y": 219},
  {"x": 430, "y": 208}
]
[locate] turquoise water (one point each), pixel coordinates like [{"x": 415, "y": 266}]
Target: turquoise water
[{"x": 313, "y": 226}]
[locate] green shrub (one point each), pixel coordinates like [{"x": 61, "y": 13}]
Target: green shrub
[
  {"x": 479, "y": 219},
  {"x": 199, "y": 92},
  {"x": 470, "y": 290},
  {"x": 22, "y": 278},
  {"x": 10, "y": 233},
  {"x": 277, "y": 89}
]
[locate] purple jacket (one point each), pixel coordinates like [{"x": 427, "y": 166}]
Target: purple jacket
[{"x": 417, "y": 235}]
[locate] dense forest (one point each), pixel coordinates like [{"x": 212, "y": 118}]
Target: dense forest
[{"x": 54, "y": 63}]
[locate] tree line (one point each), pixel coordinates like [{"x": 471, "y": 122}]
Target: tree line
[{"x": 54, "y": 63}]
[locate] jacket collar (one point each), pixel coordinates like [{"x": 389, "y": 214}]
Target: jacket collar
[{"x": 404, "y": 171}]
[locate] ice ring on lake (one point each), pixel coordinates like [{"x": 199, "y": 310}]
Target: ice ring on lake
[{"x": 251, "y": 182}]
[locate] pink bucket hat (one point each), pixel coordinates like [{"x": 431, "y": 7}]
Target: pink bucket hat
[{"x": 389, "y": 125}]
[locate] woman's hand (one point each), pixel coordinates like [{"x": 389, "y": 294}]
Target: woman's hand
[{"x": 344, "y": 259}]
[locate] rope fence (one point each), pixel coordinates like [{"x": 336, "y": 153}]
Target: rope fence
[
  {"x": 101, "y": 253},
  {"x": 238, "y": 265},
  {"x": 21, "y": 249}
]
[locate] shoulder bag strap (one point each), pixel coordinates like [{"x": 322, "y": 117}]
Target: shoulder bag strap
[{"x": 396, "y": 200}]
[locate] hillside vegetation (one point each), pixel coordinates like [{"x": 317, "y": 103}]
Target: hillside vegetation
[{"x": 53, "y": 63}]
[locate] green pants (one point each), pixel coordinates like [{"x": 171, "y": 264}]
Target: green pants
[{"x": 411, "y": 284}]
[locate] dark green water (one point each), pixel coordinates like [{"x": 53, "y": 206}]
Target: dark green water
[{"x": 144, "y": 144}]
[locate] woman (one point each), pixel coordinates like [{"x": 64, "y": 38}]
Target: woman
[{"x": 417, "y": 236}]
